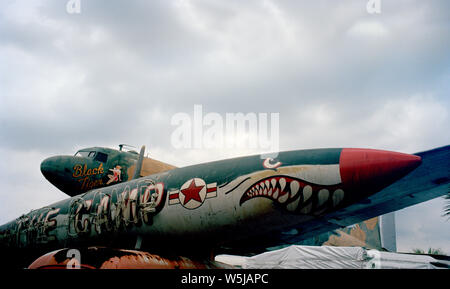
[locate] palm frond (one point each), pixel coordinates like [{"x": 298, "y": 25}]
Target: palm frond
[{"x": 447, "y": 207}]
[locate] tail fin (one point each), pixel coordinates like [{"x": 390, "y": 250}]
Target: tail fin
[
  {"x": 376, "y": 233},
  {"x": 388, "y": 233}
]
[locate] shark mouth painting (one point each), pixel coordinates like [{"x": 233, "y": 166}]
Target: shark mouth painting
[{"x": 296, "y": 195}]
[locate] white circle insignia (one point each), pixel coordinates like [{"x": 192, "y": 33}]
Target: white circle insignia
[{"x": 192, "y": 193}]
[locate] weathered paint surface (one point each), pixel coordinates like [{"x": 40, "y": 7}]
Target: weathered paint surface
[
  {"x": 218, "y": 202},
  {"x": 105, "y": 258},
  {"x": 365, "y": 234}
]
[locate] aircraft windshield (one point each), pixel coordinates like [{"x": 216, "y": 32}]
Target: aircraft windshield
[
  {"x": 89, "y": 154},
  {"x": 98, "y": 156}
]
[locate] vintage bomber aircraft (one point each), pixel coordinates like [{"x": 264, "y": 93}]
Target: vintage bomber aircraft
[{"x": 242, "y": 205}]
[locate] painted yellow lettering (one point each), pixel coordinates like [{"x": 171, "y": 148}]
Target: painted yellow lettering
[
  {"x": 85, "y": 182},
  {"x": 77, "y": 171}
]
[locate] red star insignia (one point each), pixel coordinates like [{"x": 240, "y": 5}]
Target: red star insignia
[{"x": 192, "y": 192}]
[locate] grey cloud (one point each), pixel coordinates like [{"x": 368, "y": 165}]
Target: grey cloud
[
  {"x": 433, "y": 231},
  {"x": 115, "y": 74}
]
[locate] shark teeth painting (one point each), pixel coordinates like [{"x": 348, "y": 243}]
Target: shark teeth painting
[{"x": 295, "y": 195}]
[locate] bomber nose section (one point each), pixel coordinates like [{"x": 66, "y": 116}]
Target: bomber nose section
[
  {"x": 373, "y": 170},
  {"x": 50, "y": 169},
  {"x": 57, "y": 171}
]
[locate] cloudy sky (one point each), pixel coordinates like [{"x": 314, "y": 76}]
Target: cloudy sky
[{"x": 120, "y": 70}]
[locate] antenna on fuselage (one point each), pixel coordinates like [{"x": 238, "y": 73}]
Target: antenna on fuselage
[{"x": 125, "y": 145}]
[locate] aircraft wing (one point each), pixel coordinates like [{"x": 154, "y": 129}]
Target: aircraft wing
[{"x": 430, "y": 180}]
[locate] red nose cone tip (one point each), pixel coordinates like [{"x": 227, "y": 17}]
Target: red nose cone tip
[{"x": 375, "y": 168}]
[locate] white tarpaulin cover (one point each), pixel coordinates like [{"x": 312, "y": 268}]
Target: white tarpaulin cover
[
  {"x": 306, "y": 257},
  {"x": 327, "y": 257},
  {"x": 388, "y": 260}
]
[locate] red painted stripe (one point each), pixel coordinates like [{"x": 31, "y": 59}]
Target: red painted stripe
[
  {"x": 173, "y": 196},
  {"x": 209, "y": 190}
]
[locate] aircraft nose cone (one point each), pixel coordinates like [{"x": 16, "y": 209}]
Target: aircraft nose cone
[
  {"x": 48, "y": 168},
  {"x": 374, "y": 169},
  {"x": 59, "y": 170}
]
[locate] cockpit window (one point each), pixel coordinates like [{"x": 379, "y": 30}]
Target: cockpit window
[
  {"x": 86, "y": 154},
  {"x": 82, "y": 153},
  {"x": 101, "y": 157}
]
